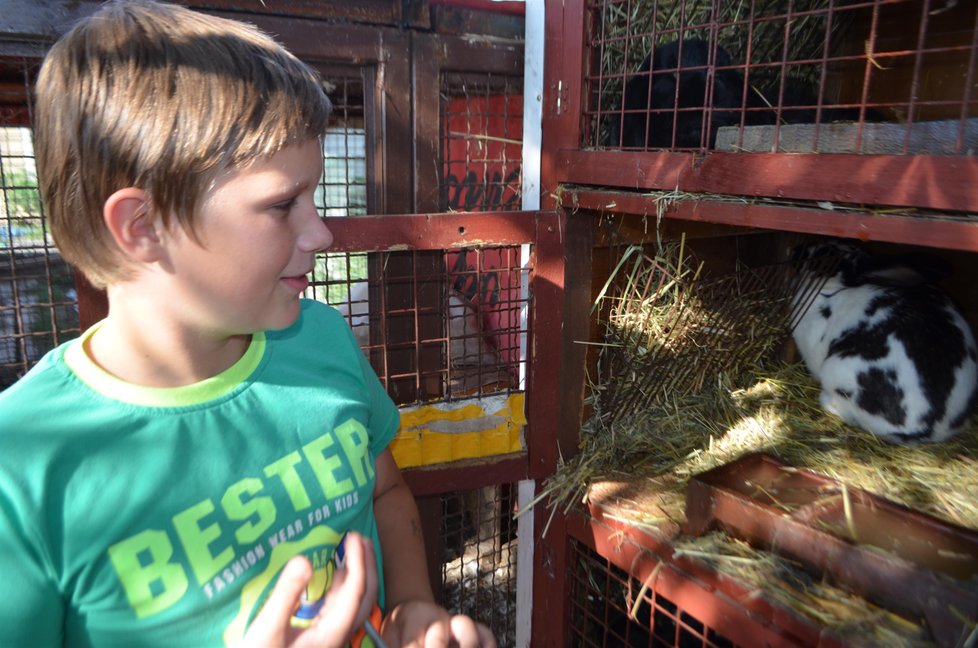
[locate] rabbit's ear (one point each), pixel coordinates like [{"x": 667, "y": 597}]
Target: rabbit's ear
[
  {"x": 896, "y": 276},
  {"x": 905, "y": 270}
]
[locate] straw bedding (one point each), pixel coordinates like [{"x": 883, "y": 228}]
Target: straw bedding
[{"x": 755, "y": 402}]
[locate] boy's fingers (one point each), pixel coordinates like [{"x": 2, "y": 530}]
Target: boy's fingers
[
  {"x": 469, "y": 634},
  {"x": 291, "y": 584},
  {"x": 272, "y": 622},
  {"x": 350, "y": 596}
]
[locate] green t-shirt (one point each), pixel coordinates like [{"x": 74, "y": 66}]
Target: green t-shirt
[{"x": 162, "y": 517}]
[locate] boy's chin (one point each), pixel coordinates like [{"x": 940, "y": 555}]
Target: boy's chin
[{"x": 284, "y": 318}]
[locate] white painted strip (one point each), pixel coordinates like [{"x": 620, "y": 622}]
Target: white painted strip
[
  {"x": 532, "y": 139},
  {"x": 533, "y": 49},
  {"x": 526, "y": 491}
]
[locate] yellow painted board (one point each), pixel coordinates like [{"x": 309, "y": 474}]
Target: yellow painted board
[{"x": 466, "y": 429}]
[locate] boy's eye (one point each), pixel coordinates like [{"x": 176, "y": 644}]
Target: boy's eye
[{"x": 285, "y": 205}]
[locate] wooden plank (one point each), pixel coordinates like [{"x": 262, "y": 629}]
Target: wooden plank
[
  {"x": 465, "y": 475},
  {"x": 563, "y": 60},
  {"x": 944, "y": 233},
  {"x": 721, "y": 603},
  {"x": 28, "y": 27},
  {"x": 544, "y": 436},
  {"x": 551, "y": 604},
  {"x": 493, "y": 19},
  {"x": 430, "y": 231},
  {"x": 926, "y": 181},
  {"x": 390, "y": 144},
  {"x": 576, "y": 325},
  {"x": 313, "y": 40},
  {"x": 426, "y": 70},
  {"x": 365, "y": 11}
]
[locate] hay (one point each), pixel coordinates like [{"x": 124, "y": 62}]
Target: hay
[
  {"x": 669, "y": 332},
  {"x": 755, "y": 403},
  {"x": 628, "y": 31},
  {"x": 667, "y": 405},
  {"x": 776, "y": 412},
  {"x": 781, "y": 581}
]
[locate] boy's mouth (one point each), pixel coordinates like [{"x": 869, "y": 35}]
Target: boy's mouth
[{"x": 297, "y": 283}]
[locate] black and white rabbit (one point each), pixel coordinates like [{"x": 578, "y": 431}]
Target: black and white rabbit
[{"x": 892, "y": 352}]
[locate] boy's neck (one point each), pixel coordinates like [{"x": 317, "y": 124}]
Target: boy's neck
[{"x": 145, "y": 345}]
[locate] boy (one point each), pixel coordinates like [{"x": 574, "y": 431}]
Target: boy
[{"x": 158, "y": 473}]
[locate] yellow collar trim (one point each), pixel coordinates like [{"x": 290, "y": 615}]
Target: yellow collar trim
[{"x": 208, "y": 389}]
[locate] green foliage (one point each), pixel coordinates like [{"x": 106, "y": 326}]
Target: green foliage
[
  {"x": 20, "y": 193},
  {"x": 340, "y": 268}
]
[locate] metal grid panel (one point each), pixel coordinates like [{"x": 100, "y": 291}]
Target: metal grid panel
[
  {"x": 608, "y": 608},
  {"x": 481, "y": 142},
  {"x": 339, "y": 278},
  {"x": 481, "y": 147},
  {"x": 672, "y": 327},
  {"x": 856, "y": 76},
  {"x": 428, "y": 344},
  {"x": 38, "y": 308},
  {"x": 343, "y": 188},
  {"x": 479, "y": 568},
  {"x": 435, "y": 324}
]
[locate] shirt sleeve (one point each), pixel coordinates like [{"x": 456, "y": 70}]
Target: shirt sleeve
[
  {"x": 31, "y": 607},
  {"x": 384, "y": 415}
]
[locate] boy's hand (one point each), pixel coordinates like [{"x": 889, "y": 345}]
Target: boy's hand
[
  {"x": 348, "y": 603},
  {"x": 420, "y": 624}
]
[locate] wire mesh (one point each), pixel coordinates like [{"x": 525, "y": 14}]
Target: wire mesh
[
  {"x": 670, "y": 329},
  {"x": 479, "y": 564},
  {"x": 437, "y": 324},
  {"x": 38, "y": 307},
  {"x": 608, "y": 608},
  {"x": 340, "y": 278},
  {"x": 481, "y": 142},
  {"x": 771, "y": 76}
]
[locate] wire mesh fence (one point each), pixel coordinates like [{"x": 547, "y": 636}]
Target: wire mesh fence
[{"x": 770, "y": 76}]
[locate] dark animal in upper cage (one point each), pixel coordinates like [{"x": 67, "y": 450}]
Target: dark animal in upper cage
[
  {"x": 678, "y": 86},
  {"x": 673, "y": 82},
  {"x": 892, "y": 352}
]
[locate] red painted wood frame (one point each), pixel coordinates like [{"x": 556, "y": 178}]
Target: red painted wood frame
[
  {"x": 943, "y": 233},
  {"x": 724, "y": 605},
  {"x": 570, "y": 180}
]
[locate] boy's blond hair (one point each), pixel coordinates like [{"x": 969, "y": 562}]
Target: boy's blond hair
[{"x": 155, "y": 96}]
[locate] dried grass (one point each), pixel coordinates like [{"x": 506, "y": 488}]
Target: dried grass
[
  {"x": 759, "y": 404},
  {"x": 708, "y": 409},
  {"x": 783, "y": 582},
  {"x": 777, "y": 412}
]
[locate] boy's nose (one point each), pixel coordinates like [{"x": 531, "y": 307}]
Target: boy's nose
[{"x": 315, "y": 235}]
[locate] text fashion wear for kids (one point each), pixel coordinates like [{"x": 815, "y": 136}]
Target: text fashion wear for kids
[{"x": 167, "y": 514}]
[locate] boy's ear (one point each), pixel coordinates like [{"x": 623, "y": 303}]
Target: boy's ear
[{"x": 133, "y": 225}]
